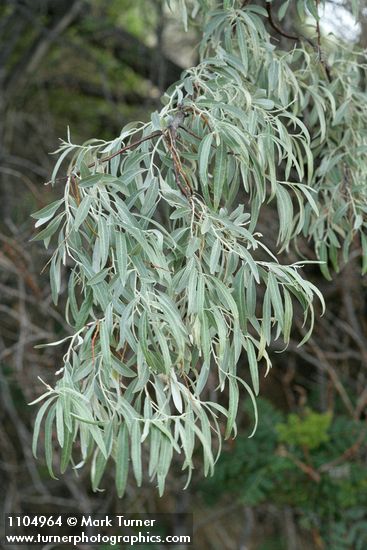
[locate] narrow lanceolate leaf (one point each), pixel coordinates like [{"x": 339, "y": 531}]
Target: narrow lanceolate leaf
[
  {"x": 267, "y": 318},
  {"x": 219, "y": 173},
  {"x": 191, "y": 291},
  {"x": 176, "y": 394},
  {"x": 242, "y": 46},
  {"x": 285, "y": 211},
  {"x": 66, "y": 449},
  {"x": 122, "y": 460},
  {"x": 276, "y": 299},
  {"x": 288, "y": 316},
  {"x": 48, "y": 211},
  {"x": 105, "y": 344},
  {"x": 204, "y": 155},
  {"x": 214, "y": 257},
  {"x": 59, "y": 423},
  {"x": 55, "y": 278},
  {"x": 103, "y": 233},
  {"x": 136, "y": 451},
  {"x": 82, "y": 211},
  {"x": 48, "y": 440},
  {"x": 155, "y": 442},
  {"x": 121, "y": 255},
  {"x": 98, "y": 467},
  {"x": 252, "y": 361},
  {"x": 165, "y": 458},
  {"x": 232, "y": 407},
  {"x": 37, "y": 424},
  {"x": 49, "y": 230}
]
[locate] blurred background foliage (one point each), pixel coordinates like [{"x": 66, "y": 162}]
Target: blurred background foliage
[{"x": 301, "y": 481}]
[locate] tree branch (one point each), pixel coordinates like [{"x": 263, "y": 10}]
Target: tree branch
[
  {"x": 127, "y": 147},
  {"x": 316, "y": 47},
  {"x": 275, "y": 25}
]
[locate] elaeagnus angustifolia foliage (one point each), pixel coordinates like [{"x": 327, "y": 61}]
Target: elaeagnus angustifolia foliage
[{"x": 159, "y": 230}]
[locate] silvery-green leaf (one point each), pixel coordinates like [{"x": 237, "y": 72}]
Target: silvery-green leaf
[
  {"x": 136, "y": 452},
  {"x": 82, "y": 211}
]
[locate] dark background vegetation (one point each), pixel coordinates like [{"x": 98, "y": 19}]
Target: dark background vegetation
[{"x": 301, "y": 482}]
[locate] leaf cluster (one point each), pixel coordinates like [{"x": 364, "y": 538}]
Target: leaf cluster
[{"x": 171, "y": 289}]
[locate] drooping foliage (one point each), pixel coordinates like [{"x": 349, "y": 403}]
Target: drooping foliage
[{"x": 173, "y": 296}]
